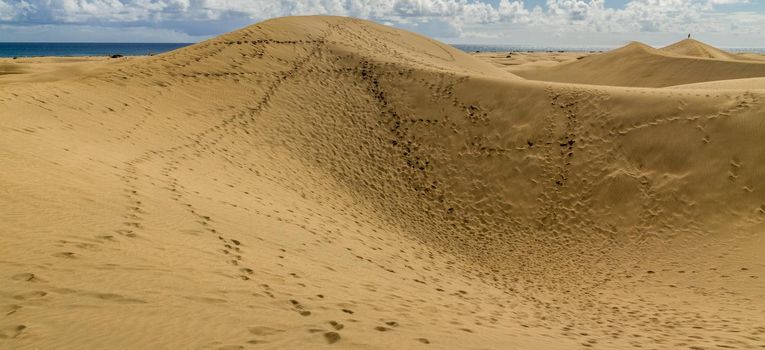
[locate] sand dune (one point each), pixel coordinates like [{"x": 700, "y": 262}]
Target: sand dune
[
  {"x": 49, "y": 69},
  {"x": 639, "y": 65},
  {"x": 325, "y": 182},
  {"x": 523, "y": 61},
  {"x": 731, "y": 84},
  {"x": 695, "y": 48}
]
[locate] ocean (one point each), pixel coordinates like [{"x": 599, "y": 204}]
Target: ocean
[
  {"x": 85, "y": 49},
  {"x": 137, "y": 49}
]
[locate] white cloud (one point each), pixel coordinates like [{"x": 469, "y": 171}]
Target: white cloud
[
  {"x": 729, "y": 2},
  {"x": 441, "y": 18}
]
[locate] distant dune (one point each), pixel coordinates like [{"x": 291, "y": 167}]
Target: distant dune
[
  {"x": 639, "y": 65},
  {"x": 326, "y": 182},
  {"x": 695, "y": 48},
  {"x": 731, "y": 84},
  {"x": 10, "y": 69}
]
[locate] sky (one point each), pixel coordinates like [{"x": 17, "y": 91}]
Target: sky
[{"x": 559, "y": 23}]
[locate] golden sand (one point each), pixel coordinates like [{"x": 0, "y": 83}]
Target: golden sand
[
  {"x": 639, "y": 65},
  {"x": 324, "y": 182}
]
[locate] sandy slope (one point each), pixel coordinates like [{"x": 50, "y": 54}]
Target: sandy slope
[
  {"x": 731, "y": 84},
  {"x": 639, "y": 65},
  {"x": 49, "y": 69},
  {"x": 695, "y": 48},
  {"x": 523, "y": 61},
  {"x": 322, "y": 182}
]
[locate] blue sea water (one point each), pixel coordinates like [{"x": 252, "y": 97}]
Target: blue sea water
[
  {"x": 85, "y": 49},
  {"x": 137, "y": 49}
]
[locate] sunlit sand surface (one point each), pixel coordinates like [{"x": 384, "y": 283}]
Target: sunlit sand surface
[{"x": 324, "y": 182}]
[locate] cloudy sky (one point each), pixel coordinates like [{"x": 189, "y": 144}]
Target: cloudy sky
[{"x": 726, "y": 23}]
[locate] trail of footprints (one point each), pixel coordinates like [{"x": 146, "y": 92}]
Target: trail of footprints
[
  {"x": 232, "y": 249},
  {"x": 132, "y": 173},
  {"x": 557, "y": 149},
  {"x": 135, "y": 212},
  {"x": 743, "y": 102}
]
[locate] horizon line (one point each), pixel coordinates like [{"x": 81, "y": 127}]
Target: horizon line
[{"x": 448, "y": 43}]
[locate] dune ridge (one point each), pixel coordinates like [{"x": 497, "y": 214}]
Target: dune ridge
[
  {"x": 695, "y": 48},
  {"x": 639, "y": 65},
  {"x": 328, "y": 182}
]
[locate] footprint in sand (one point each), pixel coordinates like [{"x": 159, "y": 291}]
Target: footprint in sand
[
  {"x": 10, "y": 309},
  {"x": 332, "y": 337},
  {"x": 65, "y": 255},
  {"x": 264, "y": 330},
  {"x": 30, "y": 295},
  {"x": 25, "y": 277},
  {"x": 299, "y": 308},
  {"x": 12, "y": 332},
  {"x": 127, "y": 233}
]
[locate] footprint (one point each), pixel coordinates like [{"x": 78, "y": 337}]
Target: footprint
[
  {"x": 10, "y": 309},
  {"x": 25, "y": 277},
  {"x": 299, "y": 308},
  {"x": 264, "y": 330},
  {"x": 127, "y": 233},
  {"x": 30, "y": 295},
  {"x": 133, "y": 224},
  {"x": 117, "y": 298},
  {"x": 12, "y": 331},
  {"x": 332, "y": 337},
  {"x": 65, "y": 255},
  {"x": 336, "y": 325},
  {"x": 423, "y": 340}
]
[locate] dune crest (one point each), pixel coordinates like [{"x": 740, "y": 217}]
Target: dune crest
[
  {"x": 326, "y": 182},
  {"x": 695, "y": 48},
  {"x": 639, "y": 65}
]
